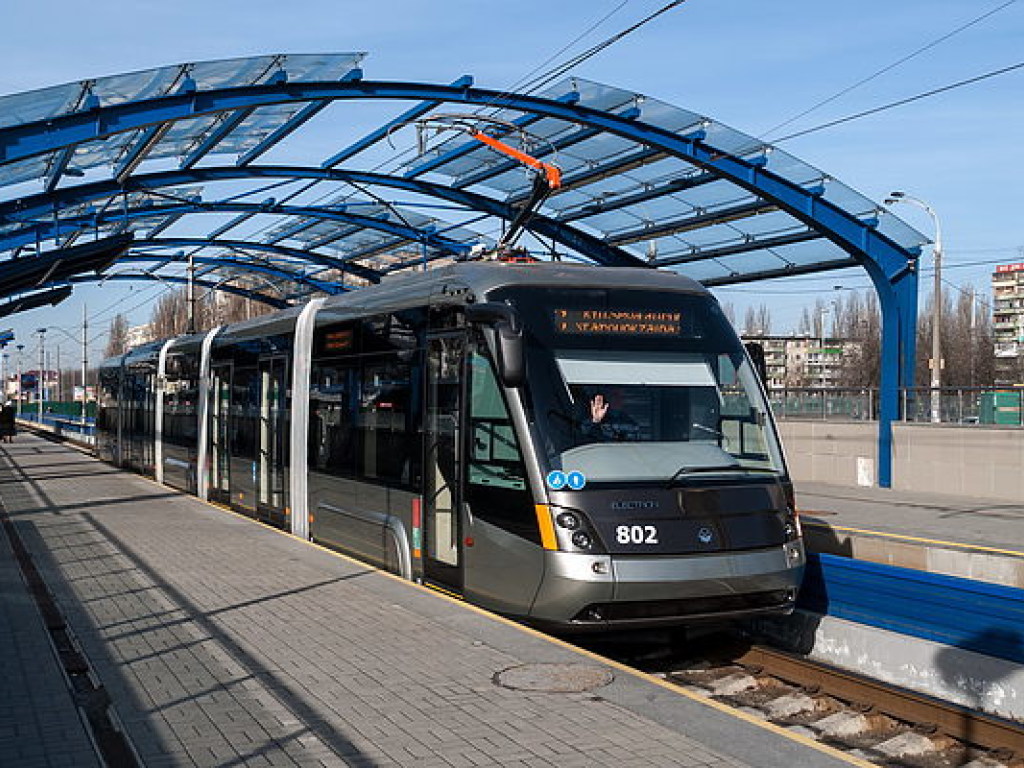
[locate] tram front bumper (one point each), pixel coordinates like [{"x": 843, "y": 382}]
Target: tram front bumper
[{"x": 596, "y": 592}]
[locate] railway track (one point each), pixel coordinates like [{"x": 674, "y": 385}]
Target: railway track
[{"x": 876, "y": 722}]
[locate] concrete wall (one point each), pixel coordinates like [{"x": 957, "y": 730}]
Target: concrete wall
[
  {"x": 972, "y": 461},
  {"x": 831, "y": 451}
]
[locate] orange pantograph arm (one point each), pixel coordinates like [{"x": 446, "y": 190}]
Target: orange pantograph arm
[{"x": 551, "y": 172}]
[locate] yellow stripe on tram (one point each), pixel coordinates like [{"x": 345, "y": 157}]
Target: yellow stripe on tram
[{"x": 547, "y": 528}]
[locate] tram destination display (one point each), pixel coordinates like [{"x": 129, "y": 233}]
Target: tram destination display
[{"x": 615, "y": 321}]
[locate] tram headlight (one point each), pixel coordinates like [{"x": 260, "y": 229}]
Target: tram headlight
[
  {"x": 568, "y": 520},
  {"x": 582, "y": 540}
]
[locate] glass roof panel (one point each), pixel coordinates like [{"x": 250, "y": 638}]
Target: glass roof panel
[
  {"x": 24, "y": 170},
  {"x": 652, "y": 199},
  {"x": 40, "y": 104},
  {"x": 117, "y": 89},
  {"x": 896, "y": 229},
  {"x": 185, "y": 135}
]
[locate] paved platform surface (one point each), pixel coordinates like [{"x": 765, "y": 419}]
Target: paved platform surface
[
  {"x": 222, "y": 642},
  {"x": 937, "y": 517}
]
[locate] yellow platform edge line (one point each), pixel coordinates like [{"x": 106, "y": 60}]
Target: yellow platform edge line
[
  {"x": 916, "y": 539},
  {"x": 672, "y": 688}
]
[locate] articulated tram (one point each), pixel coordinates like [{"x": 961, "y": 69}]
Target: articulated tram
[{"x": 581, "y": 448}]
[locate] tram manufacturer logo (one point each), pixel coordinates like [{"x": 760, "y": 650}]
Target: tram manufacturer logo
[{"x": 633, "y": 504}]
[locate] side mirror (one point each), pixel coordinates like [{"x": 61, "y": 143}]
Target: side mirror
[
  {"x": 511, "y": 360},
  {"x": 508, "y": 334}
]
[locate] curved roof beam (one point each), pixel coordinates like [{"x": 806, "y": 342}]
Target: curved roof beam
[
  {"x": 845, "y": 230},
  {"x": 592, "y": 247},
  {"x": 244, "y": 245},
  {"x": 50, "y": 229},
  {"x": 237, "y": 263},
  {"x": 272, "y": 301}
]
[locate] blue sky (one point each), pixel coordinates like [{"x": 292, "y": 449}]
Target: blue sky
[{"x": 748, "y": 64}]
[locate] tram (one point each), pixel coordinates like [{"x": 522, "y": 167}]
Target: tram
[{"x": 578, "y": 447}]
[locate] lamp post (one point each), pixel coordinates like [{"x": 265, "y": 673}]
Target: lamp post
[
  {"x": 42, "y": 371},
  {"x": 19, "y": 347},
  {"x": 936, "y": 366},
  {"x": 85, "y": 355}
]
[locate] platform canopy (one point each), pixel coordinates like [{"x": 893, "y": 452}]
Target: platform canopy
[
  {"x": 207, "y": 159},
  {"x": 285, "y": 176}
]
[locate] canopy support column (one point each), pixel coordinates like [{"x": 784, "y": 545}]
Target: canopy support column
[{"x": 897, "y": 295}]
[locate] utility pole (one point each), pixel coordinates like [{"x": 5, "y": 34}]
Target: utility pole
[
  {"x": 19, "y": 347},
  {"x": 40, "y": 389},
  {"x": 936, "y": 362},
  {"x": 85, "y": 362},
  {"x": 191, "y": 294}
]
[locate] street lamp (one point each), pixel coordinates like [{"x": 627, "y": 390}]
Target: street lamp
[
  {"x": 19, "y": 347},
  {"x": 42, "y": 371},
  {"x": 902, "y": 197},
  {"x": 85, "y": 356}
]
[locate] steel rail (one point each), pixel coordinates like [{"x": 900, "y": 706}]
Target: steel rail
[{"x": 961, "y": 723}]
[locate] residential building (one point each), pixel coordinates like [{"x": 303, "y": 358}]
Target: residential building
[
  {"x": 1008, "y": 323},
  {"x": 802, "y": 361}
]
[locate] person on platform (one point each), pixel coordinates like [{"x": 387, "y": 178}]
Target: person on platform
[{"x": 7, "y": 428}]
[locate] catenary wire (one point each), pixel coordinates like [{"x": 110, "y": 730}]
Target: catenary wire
[{"x": 887, "y": 68}]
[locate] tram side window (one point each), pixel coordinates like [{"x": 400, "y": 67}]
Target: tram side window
[
  {"x": 496, "y": 488},
  {"x": 333, "y": 407},
  {"x": 180, "y": 413},
  {"x": 244, "y": 412},
  {"x": 387, "y": 434},
  {"x": 741, "y": 422},
  {"x": 109, "y": 402}
]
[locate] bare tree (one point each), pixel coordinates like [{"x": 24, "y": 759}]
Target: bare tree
[
  {"x": 967, "y": 348},
  {"x": 730, "y": 312},
  {"x": 857, "y": 318},
  {"x": 966, "y": 341},
  {"x": 117, "y": 336}
]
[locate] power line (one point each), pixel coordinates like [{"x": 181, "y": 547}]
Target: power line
[
  {"x": 902, "y": 102},
  {"x": 888, "y": 68},
  {"x": 542, "y": 80}
]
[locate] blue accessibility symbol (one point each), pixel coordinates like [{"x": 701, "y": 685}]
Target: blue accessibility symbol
[
  {"x": 577, "y": 480},
  {"x": 556, "y": 480}
]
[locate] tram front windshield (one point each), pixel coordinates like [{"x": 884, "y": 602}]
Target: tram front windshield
[{"x": 635, "y": 386}]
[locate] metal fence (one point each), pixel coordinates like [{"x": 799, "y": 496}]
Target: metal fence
[{"x": 967, "y": 405}]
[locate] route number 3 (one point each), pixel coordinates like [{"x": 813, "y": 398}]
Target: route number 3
[{"x": 636, "y": 534}]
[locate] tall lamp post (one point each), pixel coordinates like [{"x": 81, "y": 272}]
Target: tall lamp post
[
  {"x": 85, "y": 355},
  {"x": 936, "y": 366},
  {"x": 19, "y": 347},
  {"x": 42, "y": 371}
]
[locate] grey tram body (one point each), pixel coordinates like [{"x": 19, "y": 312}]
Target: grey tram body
[{"x": 298, "y": 419}]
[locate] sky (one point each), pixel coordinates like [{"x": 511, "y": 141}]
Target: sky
[{"x": 748, "y": 64}]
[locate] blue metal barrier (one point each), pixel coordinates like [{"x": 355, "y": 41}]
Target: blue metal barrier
[
  {"x": 65, "y": 426},
  {"x": 974, "y": 615}
]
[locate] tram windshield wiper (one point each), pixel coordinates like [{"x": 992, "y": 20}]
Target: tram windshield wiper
[{"x": 685, "y": 470}]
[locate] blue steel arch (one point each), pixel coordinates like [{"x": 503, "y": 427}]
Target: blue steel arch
[
  {"x": 571, "y": 237},
  {"x": 262, "y": 298},
  {"x": 891, "y": 267},
  {"x": 55, "y": 228},
  {"x": 243, "y": 265}
]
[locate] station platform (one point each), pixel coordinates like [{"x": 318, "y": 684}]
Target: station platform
[
  {"x": 953, "y": 535},
  {"x": 218, "y": 641}
]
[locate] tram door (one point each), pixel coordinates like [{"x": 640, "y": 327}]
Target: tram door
[
  {"x": 270, "y": 477},
  {"x": 220, "y": 432},
  {"x": 442, "y": 528}
]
